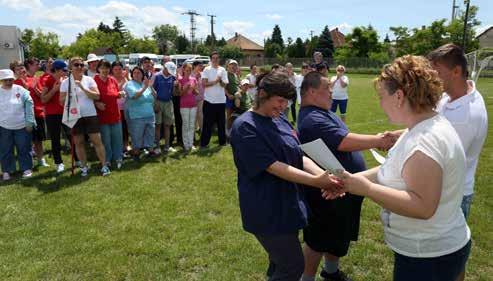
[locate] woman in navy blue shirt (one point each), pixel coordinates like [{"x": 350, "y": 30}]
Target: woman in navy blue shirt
[{"x": 271, "y": 168}]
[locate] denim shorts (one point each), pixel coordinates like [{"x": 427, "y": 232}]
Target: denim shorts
[
  {"x": 444, "y": 268},
  {"x": 342, "y": 106}
]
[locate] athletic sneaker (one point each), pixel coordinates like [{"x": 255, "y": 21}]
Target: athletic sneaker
[
  {"x": 43, "y": 163},
  {"x": 78, "y": 164},
  {"x": 84, "y": 171},
  {"x": 105, "y": 171},
  {"x": 336, "y": 276},
  {"x": 27, "y": 174},
  {"x": 169, "y": 149},
  {"x": 6, "y": 177},
  {"x": 60, "y": 168},
  {"x": 157, "y": 151},
  {"x": 119, "y": 164}
]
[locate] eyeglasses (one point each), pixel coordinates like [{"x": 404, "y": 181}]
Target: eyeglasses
[
  {"x": 8, "y": 80},
  {"x": 78, "y": 65}
]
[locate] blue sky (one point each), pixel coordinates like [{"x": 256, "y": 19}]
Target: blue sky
[{"x": 254, "y": 18}]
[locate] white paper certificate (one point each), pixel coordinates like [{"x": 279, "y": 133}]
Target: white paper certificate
[
  {"x": 380, "y": 159},
  {"x": 321, "y": 154}
]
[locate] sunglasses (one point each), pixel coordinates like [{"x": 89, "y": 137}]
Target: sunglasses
[
  {"x": 78, "y": 65},
  {"x": 8, "y": 80}
]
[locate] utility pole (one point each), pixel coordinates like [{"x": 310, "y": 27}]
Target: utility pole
[
  {"x": 311, "y": 34},
  {"x": 454, "y": 8},
  {"x": 464, "y": 37},
  {"x": 192, "y": 15},
  {"x": 213, "y": 37}
]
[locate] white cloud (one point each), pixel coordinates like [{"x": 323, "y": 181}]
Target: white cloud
[
  {"x": 21, "y": 4},
  {"x": 274, "y": 16},
  {"x": 178, "y": 9},
  {"x": 230, "y": 27},
  {"x": 343, "y": 27}
]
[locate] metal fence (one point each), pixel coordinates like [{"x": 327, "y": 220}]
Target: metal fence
[{"x": 297, "y": 62}]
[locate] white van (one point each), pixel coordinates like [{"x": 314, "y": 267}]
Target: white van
[
  {"x": 180, "y": 59},
  {"x": 205, "y": 60},
  {"x": 134, "y": 60}
]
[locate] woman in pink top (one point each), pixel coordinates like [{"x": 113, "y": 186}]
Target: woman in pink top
[
  {"x": 118, "y": 72},
  {"x": 188, "y": 106}
]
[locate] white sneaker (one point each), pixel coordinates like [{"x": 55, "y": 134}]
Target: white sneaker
[
  {"x": 60, "y": 168},
  {"x": 105, "y": 171},
  {"x": 171, "y": 149},
  {"x": 84, "y": 171},
  {"x": 27, "y": 174},
  {"x": 6, "y": 177},
  {"x": 157, "y": 151},
  {"x": 119, "y": 164},
  {"x": 43, "y": 163},
  {"x": 194, "y": 149}
]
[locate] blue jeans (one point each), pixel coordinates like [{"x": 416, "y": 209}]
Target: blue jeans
[
  {"x": 22, "y": 141},
  {"x": 142, "y": 131},
  {"x": 466, "y": 205},
  {"x": 444, "y": 268},
  {"x": 111, "y": 135}
]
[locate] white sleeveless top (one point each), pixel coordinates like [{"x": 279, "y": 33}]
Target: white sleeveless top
[{"x": 446, "y": 231}]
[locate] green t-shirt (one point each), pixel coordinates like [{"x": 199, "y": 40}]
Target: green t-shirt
[
  {"x": 232, "y": 86},
  {"x": 245, "y": 102}
]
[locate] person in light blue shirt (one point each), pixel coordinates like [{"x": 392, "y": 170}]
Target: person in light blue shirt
[{"x": 140, "y": 112}]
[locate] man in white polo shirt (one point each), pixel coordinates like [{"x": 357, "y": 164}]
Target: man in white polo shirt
[
  {"x": 464, "y": 107},
  {"x": 214, "y": 79}
]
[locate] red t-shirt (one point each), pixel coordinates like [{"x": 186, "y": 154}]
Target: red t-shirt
[
  {"x": 109, "y": 96},
  {"x": 53, "y": 106},
  {"x": 29, "y": 84}
]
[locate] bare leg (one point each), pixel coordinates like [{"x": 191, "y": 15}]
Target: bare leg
[
  {"x": 312, "y": 260},
  {"x": 98, "y": 145},
  {"x": 38, "y": 149},
  {"x": 166, "y": 135},
  {"x": 157, "y": 134},
  {"x": 461, "y": 276},
  {"x": 80, "y": 149}
]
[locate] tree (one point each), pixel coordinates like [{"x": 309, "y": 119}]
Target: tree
[
  {"x": 456, "y": 29},
  {"x": 325, "y": 44},
  {"x": 210, "y": 40},
  {"x": 26, "y": 38},
  {"x": 277, "y": 37},
  {"x": 402, "y": 40},
  {"x": 181, "y": 44},
  {"x": 386, "y": 40},
  {"x": 142, "y": 45},
  {"x": 363, "y": 40},
  {"x": 310, "y": 46},
  {"x": 92, "y": 39},
  {"x": 272, "y": 49},
  {"x": 104, "y": 28},
  {"x": 296, "y": 50},
  {"x": 230, "y": 52},
  {"x": 221, "y": 42},
  {"x": 119, "y": 28},
  {"x": 45, "y": 45},
  {"x": 165, "y": 35}
]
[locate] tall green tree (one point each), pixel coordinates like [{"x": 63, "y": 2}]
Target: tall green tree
[
  {"x": 364, "y": 40},
  {"x": 181, "y": 44},
  {"x": 165, "y": 35},
  {"x": 119, "y": 27},
  {"x": 45, "y": 45},
  {"x": 26, "y": 38},
  {"x": 104, "y": 28},
  {"x": 325, "y": 44},
  {"x": 276, "y": 37}
]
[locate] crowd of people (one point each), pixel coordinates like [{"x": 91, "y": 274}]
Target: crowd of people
[
  {"x": 125, "y": 113},
  {"x": 424, "y": 186}
]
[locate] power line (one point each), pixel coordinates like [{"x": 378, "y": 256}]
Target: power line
[
  {"x": 192, "y": 14},
  {"x": 213, "y": 37}
]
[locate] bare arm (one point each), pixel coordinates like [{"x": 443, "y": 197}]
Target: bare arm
[
  {"x": 420, "y": 199},
  {"x": 292, "y": 174},
  {"x": 358, "y": 142},
  {"x": 206, "y": 82}
]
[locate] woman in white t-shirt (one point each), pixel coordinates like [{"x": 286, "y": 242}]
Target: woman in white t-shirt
[
  {"x": 84, "y": 90},
  {"x": 339, "y": 84},
  {"x": 420, "y": 185}
]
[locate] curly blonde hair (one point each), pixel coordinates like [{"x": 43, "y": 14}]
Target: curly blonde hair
[{"x": 416, "y": 78}]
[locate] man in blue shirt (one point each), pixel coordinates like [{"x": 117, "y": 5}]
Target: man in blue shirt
[
  {"x": 164, "y": 83},
  {"x": 331, "y": 224}
]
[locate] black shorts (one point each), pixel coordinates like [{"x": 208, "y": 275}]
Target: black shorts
[
  {"x": 86, "y": 125},
  {"x": 39, "y": 133},
  {"x": 332, "y": 224}
]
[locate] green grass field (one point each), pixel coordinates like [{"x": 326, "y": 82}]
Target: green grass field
[{"x": 177, "y": 218}]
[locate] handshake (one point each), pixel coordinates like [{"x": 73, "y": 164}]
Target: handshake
[{"x": 387, "y": 139}]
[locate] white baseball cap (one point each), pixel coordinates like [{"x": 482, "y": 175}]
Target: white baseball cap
[
  {"x": 171, "y": 67},
  {"x": 92, "y": 57},
  {"x": 244, "y": 81},
  {"x": 6, "y": 74},
  {"x": 232, "y": 61}
]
